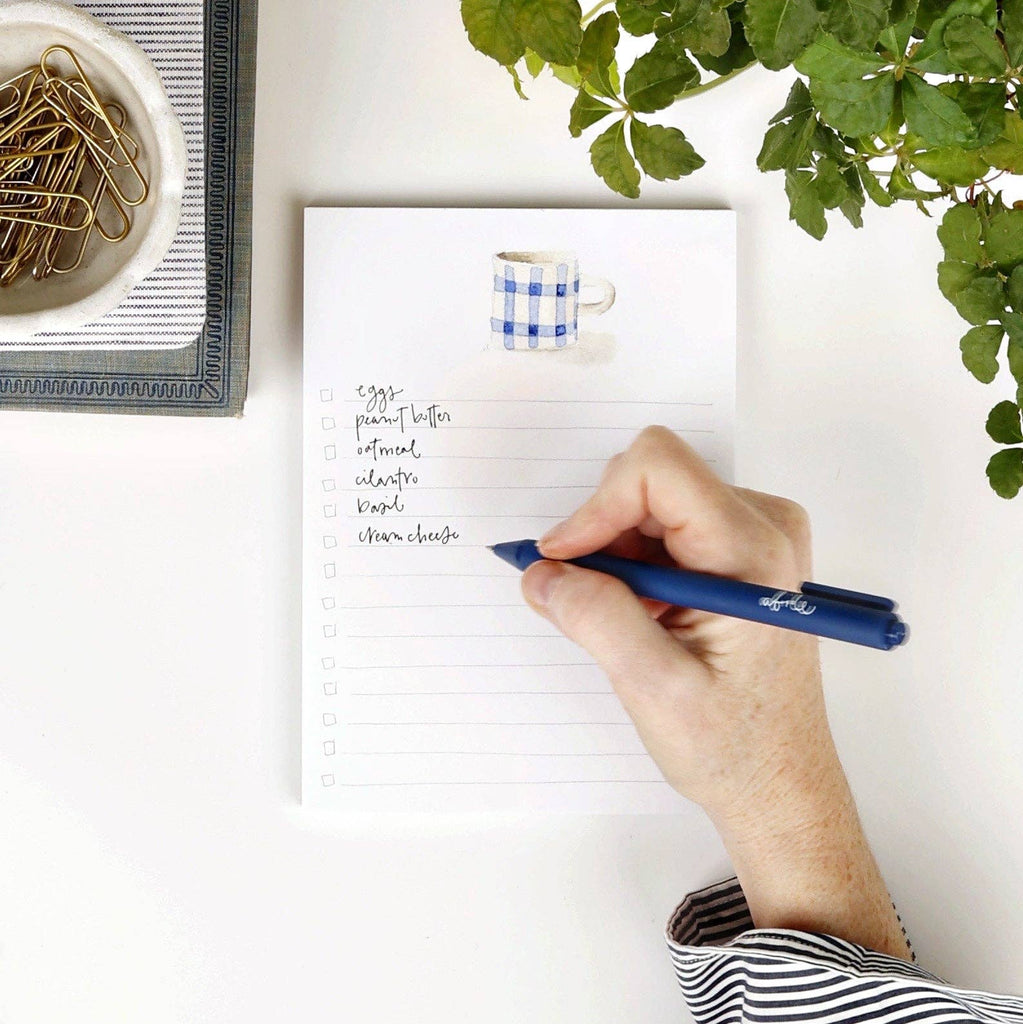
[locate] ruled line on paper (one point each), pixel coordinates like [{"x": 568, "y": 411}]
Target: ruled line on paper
[
  {"x": 443, "y": 427},
  {"x": 405, "y": 607},
  {"x": 492, "y": 753},
  {"x": 588, "y": 403},
  {"x": 525, "y": 783},
  {"x": 487, "y": 487},
  {"x": 498, "y": 458},
  {"x": 447, "y": 515},
  {"x": 484, "y": 693},
  {"x": 448, "y": 664},
  {"x": 457, "y": 636},
  {"x": 560, "y": 724}
]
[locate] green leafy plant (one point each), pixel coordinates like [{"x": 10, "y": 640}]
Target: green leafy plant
[{"x": 896, "y": 100}]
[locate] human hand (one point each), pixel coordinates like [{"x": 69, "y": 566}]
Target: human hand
[{"x": 732, "y": 711}]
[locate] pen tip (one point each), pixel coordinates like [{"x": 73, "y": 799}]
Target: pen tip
[{"x": 490, "y": 547}]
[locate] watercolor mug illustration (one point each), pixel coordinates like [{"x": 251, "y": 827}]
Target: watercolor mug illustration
[{"x": 537, "y": 300}]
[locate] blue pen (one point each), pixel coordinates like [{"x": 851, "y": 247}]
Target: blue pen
[{"x": 815, "y": 608}]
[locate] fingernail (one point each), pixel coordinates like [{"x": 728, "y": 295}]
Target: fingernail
[
  {"x": 553, "y": 536},
  {"x": 540, "y": 580}
]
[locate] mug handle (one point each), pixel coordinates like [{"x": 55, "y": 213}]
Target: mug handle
[{"x": 604, "y": 304}]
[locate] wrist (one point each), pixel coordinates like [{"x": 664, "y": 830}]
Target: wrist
[{"x": 804, "y": 862}]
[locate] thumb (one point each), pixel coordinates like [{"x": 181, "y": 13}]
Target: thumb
[{"x": 602, "y": 615}]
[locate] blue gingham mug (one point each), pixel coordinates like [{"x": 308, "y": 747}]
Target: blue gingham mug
[{"x": 536, "y": 300}]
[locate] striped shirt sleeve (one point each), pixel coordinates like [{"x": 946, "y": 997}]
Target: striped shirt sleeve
[{"x": 731, "y": 972}]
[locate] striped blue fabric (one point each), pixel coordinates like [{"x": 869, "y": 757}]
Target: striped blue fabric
[
  {"x": 730, "y": 971},
  {"x": 168, "y": 309}
]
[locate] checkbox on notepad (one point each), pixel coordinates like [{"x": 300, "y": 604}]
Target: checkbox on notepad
[
  {"x": 330, "y": 511},
  {"x": 330, "y": 631},
  {"x": 327, "y": 422},
  {"x": 328, "y": 780},
  {"x": 329, "y": 719},
  {"x": 330, "y": 689},
  {"x": 326, "y": 394},
  {"x": 330, "y": 570},
  {"x": 330, "y": 541},
  {"x": 329, "y": 484},
  {"x": 329, "y": 748},
  {"x": 328, "y": 663},
  {"x": 329, "y": 604},
  {"x": 330, "y": 452}
]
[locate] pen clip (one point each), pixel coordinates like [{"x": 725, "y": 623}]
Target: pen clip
[{"x": 850, "y": 597}]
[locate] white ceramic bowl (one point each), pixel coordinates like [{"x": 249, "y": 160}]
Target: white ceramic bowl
[{"x": 120, "y": 71}]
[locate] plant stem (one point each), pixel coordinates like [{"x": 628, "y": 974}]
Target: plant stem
[
  {"x": 720, "y": 80},
  {"x": 596, "y": 10}
]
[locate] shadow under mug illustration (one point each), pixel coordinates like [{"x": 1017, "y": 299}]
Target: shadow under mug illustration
[{"x": 536, "y": 300}]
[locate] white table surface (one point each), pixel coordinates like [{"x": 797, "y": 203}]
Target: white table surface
[{"x": 154, "y": 862}]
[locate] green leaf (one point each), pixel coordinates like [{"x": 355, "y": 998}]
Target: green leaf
[
  {"x": 901, "y": 186},
  {"x": 973, "y": 48},
  {"x": 1014, "y": 289},
  {"x": 663, "y": 153},
  {"x": 872, "y": 186},
  {"x": 637, "y": 18},
  {"x": 959, "y": 234},
  {"x": 852, "y": 210},
  {"x": 739, "y": 53},
  {"x": 657, "y": 78},
  {"x": 613, "y": 162},
  {"x": 831, "y": 187},
  {"x": 1003, "y": 424},
  {"x": 983, "y": 299},
  {"x": 787, "y": 145},
  {"x": 1012, "y": 30},
  {"x": 979, "y": 347},
  {"x": 1005, "y": 472},
  {"x": 491, "y": 26},
  {"x": 928, "y": 11},
  {"x": 1006, "y": 153},
  {"x": 551, "y": 28},
  {"x": 697, "y": 25},
  {"x": 597, "y": 53},
  {"x": 896, "y": 37},
  {"x": 951, "y": 165},
  {"x": 931, "y": 55},
  {"x": 937, "y": 119},
  {"x": 857, "y": 23},
  {"x": 586, "y": 110},
  {"x": 534, "y": 64},
  {"x": 805, "y": 206},
  {"x": 568, "y": 74},
  {"x": 1003, "y": 240},
  {"x": 902, "y": 10},
  {"x": 798, "y": 102},
  {"x": 829, "y": 61},
  {"x": 779, "y": 30},
  {"x": 828, "y": 142},
  {"x": 517, "y": 81},
  {"x": 983, "y": 103},
  {"x": 856, "y": 108},
  {"x": 1013, "y": 324},
  {"x": 954, "y": 276}
]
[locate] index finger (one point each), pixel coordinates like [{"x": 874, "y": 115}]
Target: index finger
[{"x": 661, "y": 487}]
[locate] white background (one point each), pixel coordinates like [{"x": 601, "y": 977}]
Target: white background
[{"x": 154, "y": 863}]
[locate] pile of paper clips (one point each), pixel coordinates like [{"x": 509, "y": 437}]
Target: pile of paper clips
[{"x": 67, "y": 163}]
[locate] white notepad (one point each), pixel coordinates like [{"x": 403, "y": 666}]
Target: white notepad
[{"x": 427, "y": 683}]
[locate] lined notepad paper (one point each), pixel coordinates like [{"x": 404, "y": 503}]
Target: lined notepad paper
[{"x": 427, "y": 683}]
